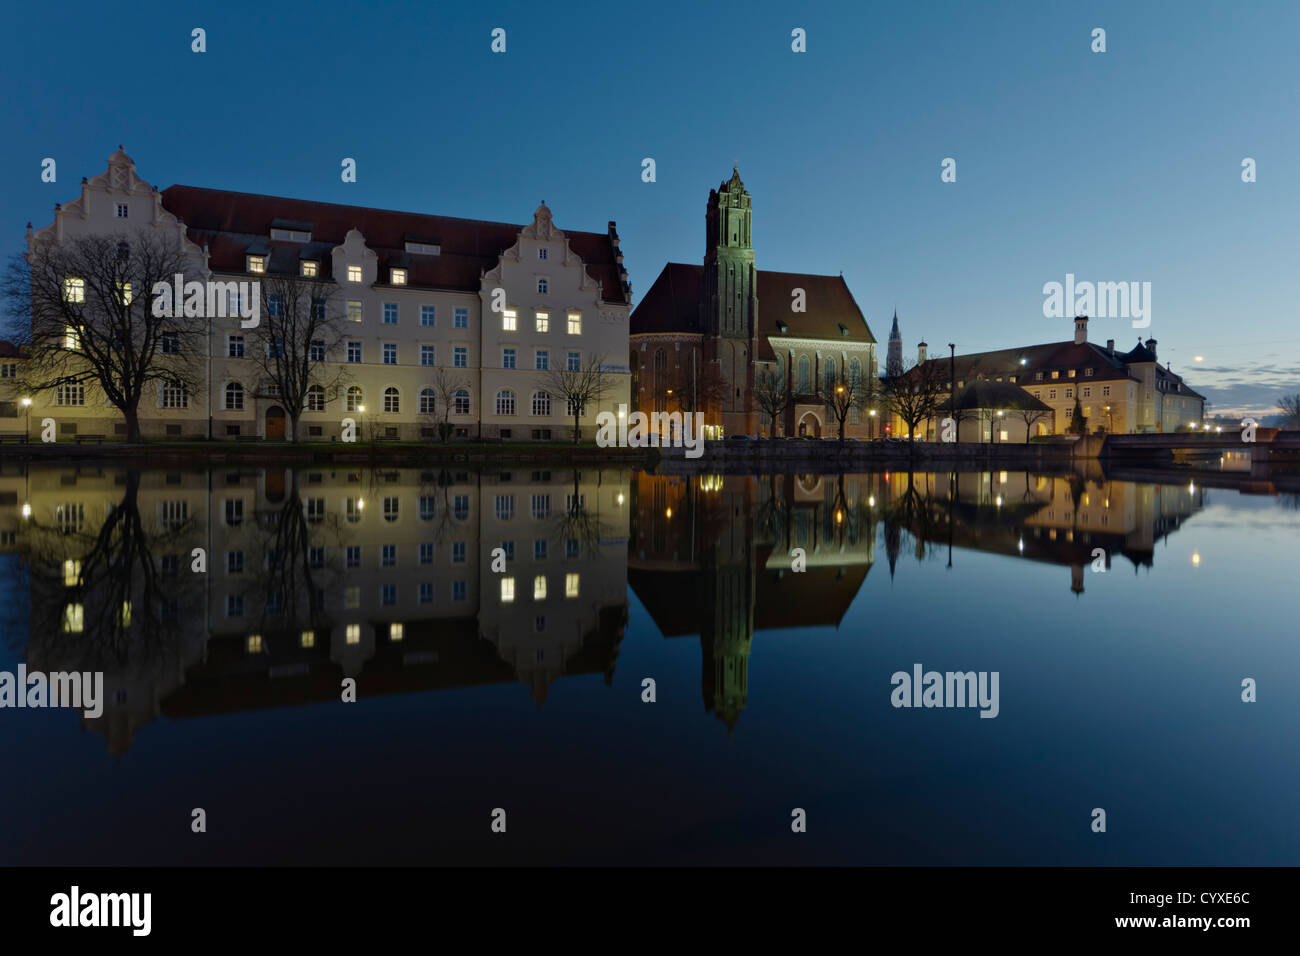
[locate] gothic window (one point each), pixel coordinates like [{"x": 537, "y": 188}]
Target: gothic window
[
  {"x": 660, "y": 380},
  {"x": 805, "y": 375},
  {"x": 828, "y": 378}
]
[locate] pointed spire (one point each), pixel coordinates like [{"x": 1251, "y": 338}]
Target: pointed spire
[{"x": 893, "y": 332}]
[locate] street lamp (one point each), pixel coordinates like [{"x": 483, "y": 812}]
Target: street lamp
[{"x": 27, "y": 421}]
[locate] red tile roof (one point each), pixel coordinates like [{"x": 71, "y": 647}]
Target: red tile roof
[
  {"x": 672, "y": 304},
  {"x": 232, "y": 224}
]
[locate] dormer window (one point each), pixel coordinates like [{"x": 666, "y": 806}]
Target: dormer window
[
  {"x": 1071, "y": 373},
  {"x": 308, "y": 268},
  {"x": 1056, "y": 375},
  {"x": 844, "y": 331},
  {"x": 423, "y": 248},
  {"x": 397, "y": 276},
  {"x": 290, "y": 235},
  {"x": 354, "y": 273},
  {"x": 782, "y": 328},
  {"x": 543, "y": 286},
  {"x": 1087, "y": 373},
  {"x": 257, "y": 264},
  {"x": 1038, "y": 376}
]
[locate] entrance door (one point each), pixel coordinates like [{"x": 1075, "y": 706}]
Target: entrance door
[{"x": 275, "y": 423}]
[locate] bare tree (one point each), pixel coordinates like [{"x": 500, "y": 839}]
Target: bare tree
[
  {"x": 914, "y": 395},
  {"x": 577, "y": 388},
  {"x": 446, "y": 383},
  {"x": 1031, "y": 416},
  {"x": 84, "y": 310},
  {"x": 1290, "y": 405},
  {"x": 300, "y": 328},
  {"x": 699, "y": 388},
  {"x": 845, "y": 394},
  {"x": 773, "y": 396}
]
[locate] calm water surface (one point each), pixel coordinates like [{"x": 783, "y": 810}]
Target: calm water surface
[{"x": 521, "y": 689}]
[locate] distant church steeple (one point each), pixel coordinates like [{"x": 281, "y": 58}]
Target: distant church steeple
[
  {"x": 894, "y": 357},
  {"x": 730, "y": 287}
]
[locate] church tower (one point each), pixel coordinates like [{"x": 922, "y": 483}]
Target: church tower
[
  {"x": 730, "y": 284},
  {"x": 894, "y": 358}
]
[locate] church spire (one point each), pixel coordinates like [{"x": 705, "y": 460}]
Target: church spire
[
  {"x": 894, "y": 356},
  {"x": 730, "y": 295}
]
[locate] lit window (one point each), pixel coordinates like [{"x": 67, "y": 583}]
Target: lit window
[
  {"x": 308, "y": 268},
  {"x": 354, "y": 311},
  {"x": 507, "y": 591},
  {"x": 71, "y": 573},
  {"x": 575, "y": 323},
  {"x": 571, "y": 585},
  {"x": 71, "y": 340},
  {"x": 543, "y": 322},
  {"x": 398, "y": 276},
  {"x": 308, "y": 639},
  {"x": 257, "y": 263},
  {"x": 354, "y": 273},
  {"x": 74, "y": 290},
  {"x": 539, "y": 588},
  {"x": 353, "y": 633},
  {"x": 395, "y": 631},
  {"x": 124, "y": 296},
  {"x": 74, "y": 619},
  {"x": 509, "y": 321}
]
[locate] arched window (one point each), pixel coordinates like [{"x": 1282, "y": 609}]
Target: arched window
[
  {"x": 855, "y": 375},
  {"x": 234, "y": 396},
  {"x": 315, "y": 399},
  {"x": 541, "y": 285},
  {"x": 462, "y": 402},
  {"x": 426, "y": 401},
  {"x": 661, "y": 380},
  {"x": 392, "y": 400},
  {"x": 353, "y": 401},
  {"x": 505, "y": 402},
  {"x": 828, "y": 378},
  {"x": 805, "y": 375},
  {"x": 541, "y": 403}
]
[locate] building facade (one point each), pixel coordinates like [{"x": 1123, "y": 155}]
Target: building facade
[
  {"x": 423, "y": 301},
  {"x": 699, "y": 341},
  {"x": 1115, "y": 391}
]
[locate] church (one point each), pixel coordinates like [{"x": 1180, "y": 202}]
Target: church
[{"x": 699, "y": 341}]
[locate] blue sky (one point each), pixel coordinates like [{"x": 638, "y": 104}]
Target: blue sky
[{"x": 1115, "y": 166}]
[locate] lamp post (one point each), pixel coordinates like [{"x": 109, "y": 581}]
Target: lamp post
[
  {"x": 362, "y": 410},
  {"x": 27, "y": 420}
]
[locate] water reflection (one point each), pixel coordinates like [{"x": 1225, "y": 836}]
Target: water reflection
[{"x": 200, "y": 593}]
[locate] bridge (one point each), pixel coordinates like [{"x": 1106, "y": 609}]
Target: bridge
[{"x": 1272, "y": 447}]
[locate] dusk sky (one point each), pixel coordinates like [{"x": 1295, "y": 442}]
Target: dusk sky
[{"x": 1115, "y": 166}]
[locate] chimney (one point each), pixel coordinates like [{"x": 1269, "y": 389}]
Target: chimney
[
  {"x": 921, "y": 352},
  {"x": 1151, "y": 347},
  {"x": 1110, "y": 345},
  {"x": 1080, "y": 329}
]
